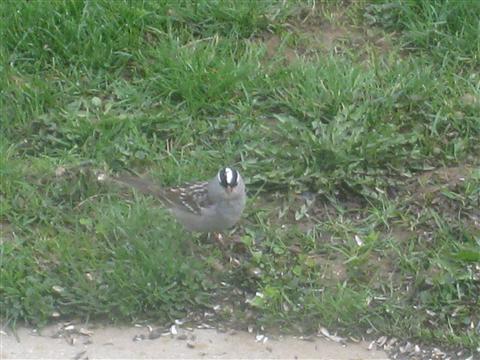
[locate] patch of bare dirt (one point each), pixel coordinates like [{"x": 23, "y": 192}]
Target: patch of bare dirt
[
  {"x": 434, "y": 180},
  {"x": 443, "y": 190},
  {"x": 334, "y": 271},
  {"x": 6, "y": 232},
  {"x": 273, "y": 45},
  {"x": 310, "y": 33}
]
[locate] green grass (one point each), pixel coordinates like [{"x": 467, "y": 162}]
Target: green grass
[{"x": 372, "y": 136}]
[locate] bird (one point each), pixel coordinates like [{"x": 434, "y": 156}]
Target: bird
[{"x": 211, "y": 206}]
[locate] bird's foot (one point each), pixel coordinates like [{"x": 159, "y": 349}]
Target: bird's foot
[{"x": 218, "y": 237}]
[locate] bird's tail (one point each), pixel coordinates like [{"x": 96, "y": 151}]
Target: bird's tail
[{"x": 142, "y": 185}]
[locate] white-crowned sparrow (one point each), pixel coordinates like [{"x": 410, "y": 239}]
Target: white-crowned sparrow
[{"x": 210, "y": 206}]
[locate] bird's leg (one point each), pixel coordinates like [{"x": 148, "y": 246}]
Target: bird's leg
[
  {"x": 218, "y": 237},
  {"x": 222, "y": 245}
]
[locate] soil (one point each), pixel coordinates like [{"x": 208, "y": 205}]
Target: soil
[{"x": 139, "y": 343}]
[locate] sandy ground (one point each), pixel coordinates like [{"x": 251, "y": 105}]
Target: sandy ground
[{"x": 138, "y": 343}]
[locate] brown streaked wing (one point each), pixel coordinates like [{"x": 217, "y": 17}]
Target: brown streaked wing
[{"x": 191, "y": 197}]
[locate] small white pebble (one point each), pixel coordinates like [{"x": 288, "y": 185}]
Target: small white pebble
[{"x": 358, "y": 240}]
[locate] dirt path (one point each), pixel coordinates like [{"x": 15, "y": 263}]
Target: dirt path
[{"x": 133, "y": 342}]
